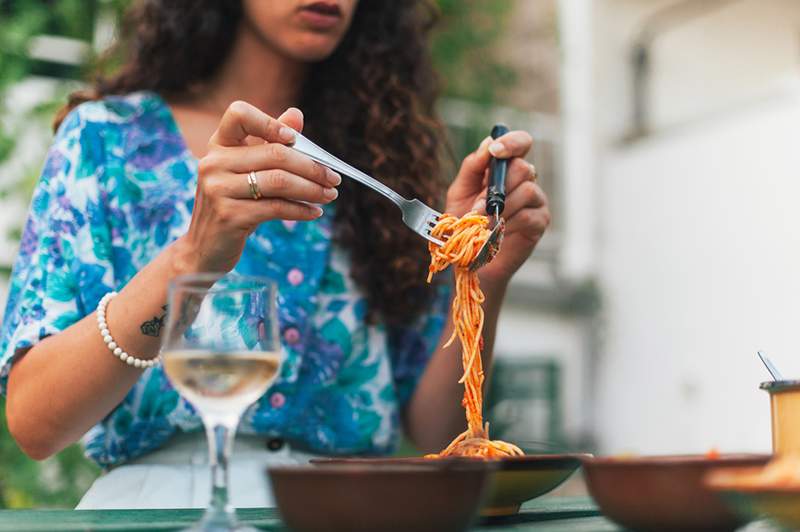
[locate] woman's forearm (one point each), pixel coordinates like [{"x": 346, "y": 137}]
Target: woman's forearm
[
  {"x": 66, "y": 383},
  {"x": 69, "y": 381},
  {"x": 434, "y": 415}
]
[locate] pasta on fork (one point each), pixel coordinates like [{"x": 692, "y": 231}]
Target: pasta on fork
[{"x": 464, "y": 238}]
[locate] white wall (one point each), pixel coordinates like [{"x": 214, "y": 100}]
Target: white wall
[
  {"x": 578, "y": 100},
  {"x": 706, "y": 65},
  {"x": 700, "y": 267},
  {"x": 699, "y": 228},
  {"x": 725, "y": 58}
]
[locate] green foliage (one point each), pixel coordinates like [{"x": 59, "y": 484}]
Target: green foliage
[
  {"x": 57, "y": 482},
  {"x": 462, "y": 51},
  {"x": 15, "y": 35},
  {"x": 22, "y": 21},
  {"x": 71, "y": 18},
  {"x": 470, "y": 65},
  {"x": 62, "y": 479}
]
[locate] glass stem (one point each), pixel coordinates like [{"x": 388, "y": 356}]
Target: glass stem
[{"x": 220, "y": 435}]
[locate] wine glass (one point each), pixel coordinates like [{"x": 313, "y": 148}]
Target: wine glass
[{"x": 221, "y": 351}]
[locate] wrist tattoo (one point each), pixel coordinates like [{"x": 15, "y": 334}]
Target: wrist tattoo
[{"x": 153, "y": 327}]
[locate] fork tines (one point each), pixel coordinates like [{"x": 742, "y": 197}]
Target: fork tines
[{"x": 431, "y": 224}]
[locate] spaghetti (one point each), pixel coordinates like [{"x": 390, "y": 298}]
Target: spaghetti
[{"x": 464, "y": 238}]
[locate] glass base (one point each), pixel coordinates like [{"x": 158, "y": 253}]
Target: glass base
[
  {"x": 237, "y": 527},
  {"x": 219, "y": 522}
]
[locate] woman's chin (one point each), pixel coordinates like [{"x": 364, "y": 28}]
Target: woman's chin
[{"x": 313, "y": 47}]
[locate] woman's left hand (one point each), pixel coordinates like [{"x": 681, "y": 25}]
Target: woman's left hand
[{"x": 527, "y": 213}]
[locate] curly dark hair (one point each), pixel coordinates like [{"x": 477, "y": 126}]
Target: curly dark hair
[{"x": 371, "y": 103}]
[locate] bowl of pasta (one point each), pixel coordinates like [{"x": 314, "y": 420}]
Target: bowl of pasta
[
  {"x": 519, "y": 479},
  {"x": 770, "y": 491},
  {"x": 665, "y": 492},
  {"x": 512, "y": 480},
  {"x": 513, "y": 476}
]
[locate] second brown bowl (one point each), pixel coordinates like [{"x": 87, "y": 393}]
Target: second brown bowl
[
  {"x": 664, "y": 492},
  {"x": 514, "y": 480}
]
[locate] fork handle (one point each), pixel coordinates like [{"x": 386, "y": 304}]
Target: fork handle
[
  {"x": 305, "y": 146},
  {"x": 498, "y": 168}
]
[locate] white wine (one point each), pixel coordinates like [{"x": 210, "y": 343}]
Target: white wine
[{"x": 221, "y": 383}]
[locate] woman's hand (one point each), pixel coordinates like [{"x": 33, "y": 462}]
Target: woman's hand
[
  {"x": 526, "y": 211},
  {"x": 225, "y": 212}
]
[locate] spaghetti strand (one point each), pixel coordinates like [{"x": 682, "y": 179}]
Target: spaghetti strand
[{"x": 464, "y": 238}]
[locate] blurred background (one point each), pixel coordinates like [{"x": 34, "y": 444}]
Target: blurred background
[{"x": 668, "y": 139}]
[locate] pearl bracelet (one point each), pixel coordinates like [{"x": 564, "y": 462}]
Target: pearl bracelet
[{"x": 116, "y": 350}]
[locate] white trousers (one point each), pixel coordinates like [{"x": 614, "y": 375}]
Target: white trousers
[{"x": 178, "y": 476}]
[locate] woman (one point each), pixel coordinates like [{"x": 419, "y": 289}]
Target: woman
[{"x": 149, "y": 180}]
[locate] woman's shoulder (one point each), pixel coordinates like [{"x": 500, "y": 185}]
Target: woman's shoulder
[
  {"x": 114, "y": 110},
  {"x": 119, "y": 126}
]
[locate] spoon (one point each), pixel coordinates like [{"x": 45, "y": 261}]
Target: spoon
[
  {"x": 495, "y": 203},
  {"x": 776, "y": 375}
]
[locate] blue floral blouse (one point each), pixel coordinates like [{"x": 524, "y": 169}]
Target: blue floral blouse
[{"x": 117, "y": 187}]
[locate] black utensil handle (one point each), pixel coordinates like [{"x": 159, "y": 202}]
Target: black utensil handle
[{"x": 498, "y": 168}]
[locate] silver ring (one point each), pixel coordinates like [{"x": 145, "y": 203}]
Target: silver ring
[{"x": 255, "y": 192}]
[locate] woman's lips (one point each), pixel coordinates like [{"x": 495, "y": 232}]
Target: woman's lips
[{"x": 321, "y": 15}]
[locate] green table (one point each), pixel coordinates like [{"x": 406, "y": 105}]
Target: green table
[
  {"x": 552, "y": 514},
  {"x": 542, "y": 514}
]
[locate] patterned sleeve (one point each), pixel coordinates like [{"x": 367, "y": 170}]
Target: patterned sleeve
[
  {"x": 63, "y": 266},
  {"x": 412, "y": 347}
]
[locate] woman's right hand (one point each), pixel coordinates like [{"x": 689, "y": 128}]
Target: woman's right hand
[{"x": 225, "y": 212}]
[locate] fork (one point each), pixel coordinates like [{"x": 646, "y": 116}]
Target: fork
[{"x": 416, "y": 215}]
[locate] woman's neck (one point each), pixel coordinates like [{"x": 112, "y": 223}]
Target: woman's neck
[
  {"x": 257, "y": 73},
  {"x": 254, "y": 72}
]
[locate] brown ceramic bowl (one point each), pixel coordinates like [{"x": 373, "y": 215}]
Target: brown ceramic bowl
[
  {"x": 522, "y": 478},
  {"x": 664, "y": 492},
  {"x": 514, "y": 480},
  {"x": 379, "y": 497},
  {"x": 743, "y": 490}
]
